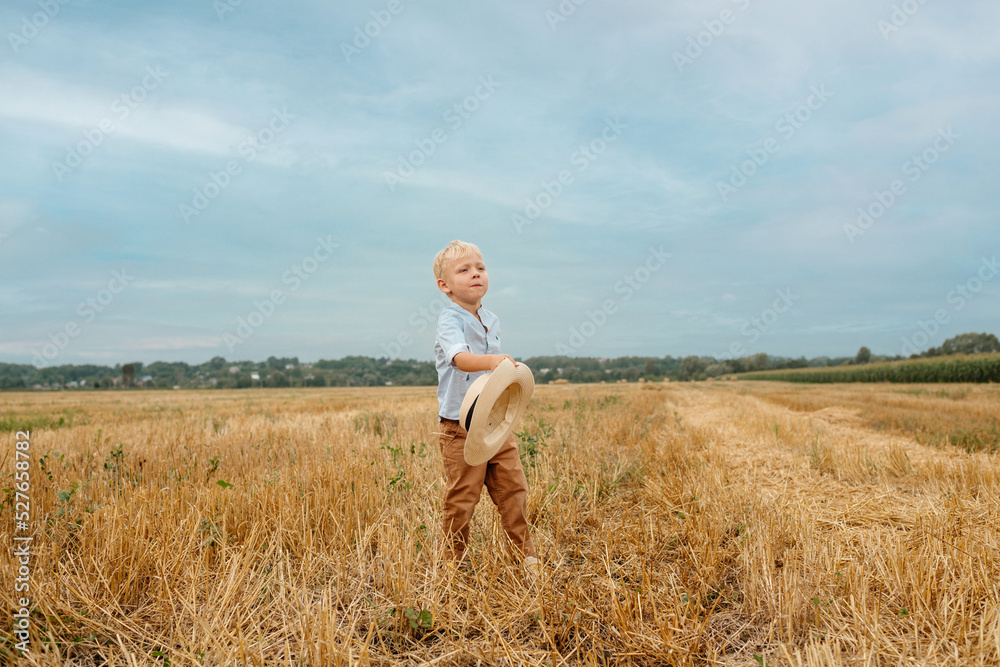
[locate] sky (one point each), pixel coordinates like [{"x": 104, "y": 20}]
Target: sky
[{"x": 248, "y": 178}]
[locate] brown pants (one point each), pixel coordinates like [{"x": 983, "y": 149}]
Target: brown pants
[{"x": 505, "y": 481}]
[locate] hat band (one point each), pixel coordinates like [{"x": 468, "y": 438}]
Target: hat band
[{"x": 472, "y": 409}]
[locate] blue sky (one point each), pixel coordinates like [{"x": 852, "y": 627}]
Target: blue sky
[{"x": 190, "y": 179}]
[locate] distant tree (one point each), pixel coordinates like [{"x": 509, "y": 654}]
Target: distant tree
[
  {"x": 279, "y": 363},
  {"x": 717, "y": 369},
  {"x": 315, "y": 381},
  {"x": 967, "y": 343},
  {"x": 128, "y": 375},
  {"x": 690, "y": 367},
  {"x": 277, "y": 379},
  {"x": 11, "y": 383},
  {"x": 863, "y": 356},
  {"x": 757, "y": 362}
]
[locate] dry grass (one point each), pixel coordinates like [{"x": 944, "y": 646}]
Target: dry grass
[
  {"x": 959, "y": 415},
  {"x": 694, "y": 524}
]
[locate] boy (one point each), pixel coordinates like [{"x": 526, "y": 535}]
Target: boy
[{"x": 467, "y": 344}]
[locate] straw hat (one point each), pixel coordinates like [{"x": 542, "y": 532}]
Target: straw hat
[{"x": 492, "y": 408}]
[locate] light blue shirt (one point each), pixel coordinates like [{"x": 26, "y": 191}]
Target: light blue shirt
[{"x": 458, "y": 330}]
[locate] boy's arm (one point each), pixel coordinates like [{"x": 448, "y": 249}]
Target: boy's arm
[{"x": 470, "y": 363}]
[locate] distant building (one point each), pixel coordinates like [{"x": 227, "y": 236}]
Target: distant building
[{"x": 234, "y": 369}]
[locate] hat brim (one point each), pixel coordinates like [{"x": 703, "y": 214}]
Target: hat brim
[{"x": 492, "y": 408}]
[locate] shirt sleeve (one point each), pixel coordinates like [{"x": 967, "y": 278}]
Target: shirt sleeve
[{"x": 451, "y": 337}]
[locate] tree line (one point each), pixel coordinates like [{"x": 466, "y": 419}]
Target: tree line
[{"x": 358, "y": 371}]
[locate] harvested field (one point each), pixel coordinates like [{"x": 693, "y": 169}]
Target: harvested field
[{"x": 690, "y": 524}]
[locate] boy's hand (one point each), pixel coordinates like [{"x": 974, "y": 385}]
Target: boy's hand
[
  {"x": 470, "y": 363},
  {"x": 497, "y": 359}
]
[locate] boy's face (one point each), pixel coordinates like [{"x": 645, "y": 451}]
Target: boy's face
[{"x": 465, "y": 281}]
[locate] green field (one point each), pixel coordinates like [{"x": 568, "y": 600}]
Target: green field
[{"x": 957, "y": 368}]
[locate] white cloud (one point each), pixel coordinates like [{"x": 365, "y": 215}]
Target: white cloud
[{"x": 32, "y": 96}]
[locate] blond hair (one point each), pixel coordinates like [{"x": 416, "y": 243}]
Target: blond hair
[{"x": 455, "y": 249}]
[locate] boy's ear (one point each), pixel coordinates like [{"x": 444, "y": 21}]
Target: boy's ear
[{"x": 443, "y": 286}]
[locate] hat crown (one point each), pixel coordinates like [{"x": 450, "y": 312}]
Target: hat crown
[
  {"x": 505, "y": 405},
  {"x": 492, "y": 407}
]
